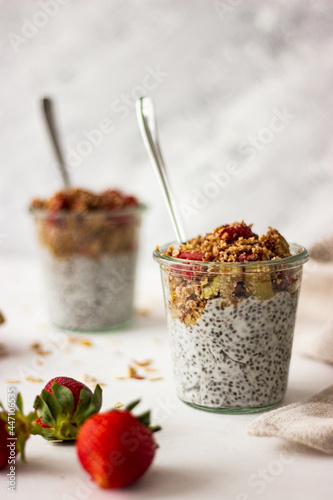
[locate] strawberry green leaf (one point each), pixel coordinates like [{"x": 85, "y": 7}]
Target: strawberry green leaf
[
  {"x": 44, "y": 432},
  {"x": 19, "y": 402},
  {"x": 52, "y": 404},
  {"x": 43, "y": 410},
  {"x": 155, "y": 428},
  {"x": 64, "y": 398},
  {"x": 132, "y": 405},
  {"x": 145, "y": 418},
  {"x": 89, "y": 404},
  {"x": 20, "y": 446},
  {"x": 97, "y": 398},
  {"x": 31, "y": 417}
]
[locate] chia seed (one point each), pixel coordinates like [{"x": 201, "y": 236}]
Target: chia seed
[
  {"x": 85, "y": 293},
  {"x": 235, "y": 356}
]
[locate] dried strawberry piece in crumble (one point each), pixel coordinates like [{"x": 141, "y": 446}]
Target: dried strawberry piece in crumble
[
  {"x": 190, "y": 255},
  {"x": 244, "y": 257},
  {"x": 232, "y": 232}
]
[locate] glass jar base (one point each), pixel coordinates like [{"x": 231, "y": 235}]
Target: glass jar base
[
  {"x": 233, "y": 411},
  {"x": 104, "y": 329}
]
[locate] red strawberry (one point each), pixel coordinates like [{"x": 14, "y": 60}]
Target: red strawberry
[
  {"x": 63, "y": 406},
  {"x": 4, "y": 441},
  {"x": 190, "y": 255},
  {"x": 231, "y": 232},
  {"x": 15, "y": 429},
  {"x": 116, "y": 447}
]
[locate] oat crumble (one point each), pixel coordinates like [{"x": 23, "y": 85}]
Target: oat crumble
[
  {"x": 190, "y": 289},
  {"x": 233, "y": 243}
]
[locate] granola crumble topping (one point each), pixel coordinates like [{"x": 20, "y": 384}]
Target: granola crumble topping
[
  {"x": 77, "y": 221},
  {"x": 233, "y": 243},
  {"x": 190, "y": 288},
  {"x": 81, "y": 200}
]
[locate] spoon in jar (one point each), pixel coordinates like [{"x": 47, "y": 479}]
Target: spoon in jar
[
  {"x": 52, "y": 130},
  {"x": 148, "y": 127}
]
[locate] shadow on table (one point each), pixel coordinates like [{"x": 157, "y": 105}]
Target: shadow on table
[
  {"x": 173, "y": 482},
  {"x": 297, "y": 448},
  {"x": 296, "y": 394}
]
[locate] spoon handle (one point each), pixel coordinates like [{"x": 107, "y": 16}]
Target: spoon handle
[
  {"x": 51, "y": 127},
  {"x": 148, "y": 128}
]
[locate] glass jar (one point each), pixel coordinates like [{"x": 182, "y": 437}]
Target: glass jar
[
  {"x": 88, "y": 261},
  {"x": 231, "y": 327}
]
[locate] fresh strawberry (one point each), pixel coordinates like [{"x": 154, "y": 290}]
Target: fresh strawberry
[
  {"x": 15, "y": 429},
  {"x": 116, "y": 447},
  {"x": 63, "y": 406},
  {"x": 231, "y": 232},
  {"x": 3, "y": 441}
]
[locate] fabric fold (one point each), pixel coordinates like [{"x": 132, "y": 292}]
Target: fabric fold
[{"x": 307, "y": 422}]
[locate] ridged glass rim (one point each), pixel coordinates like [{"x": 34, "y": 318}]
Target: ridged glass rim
[
  {"x": 300, "y": 256},
  {"x": 43, "y": 213}
]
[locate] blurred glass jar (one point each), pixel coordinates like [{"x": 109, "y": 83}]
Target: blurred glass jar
[{"x": 89, "y": 262}]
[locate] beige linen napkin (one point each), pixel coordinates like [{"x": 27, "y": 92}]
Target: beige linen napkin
[
  {"x": 314, "y": 324},
  {"x": 307, "y": 422}
]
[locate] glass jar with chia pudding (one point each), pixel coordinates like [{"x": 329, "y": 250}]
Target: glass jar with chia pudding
[
  {"x": 88, "y": 249},
  {"x": 231, "y": 300}
]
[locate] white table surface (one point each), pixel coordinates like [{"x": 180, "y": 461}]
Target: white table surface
[{"x": 201, "y": 454}]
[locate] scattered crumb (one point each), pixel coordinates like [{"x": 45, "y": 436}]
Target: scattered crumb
[
  {"x": 143, "y": 363},
  {"x": 74, "y": 339},
  {"x": 92, "y": 381},
  {"x": 142, "y": 311},
  {"x": 89, "y": 378},
  {"x": 86, "y": 342},
  {"x": 32, "y": 379},
  {"x": 2, "y": 318},
  {"x": 154, "y": 379},
  {"x": 118, "y": 405},
  {"x": 131, "y": 371},
  {"x": 156, "y": 341},
  {"x": 35, "y": 345},
  {"x": 3, "y": 351},
  {"x": 38, "y": 349},
  {"x": 13, "y": 381}
]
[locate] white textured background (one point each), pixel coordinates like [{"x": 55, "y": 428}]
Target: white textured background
[{"x": 226, "y": 68}]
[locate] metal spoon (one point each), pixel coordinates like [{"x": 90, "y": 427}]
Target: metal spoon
[
  {"x": 148, "y": 128},
  {"x": 51, "y": 127}
]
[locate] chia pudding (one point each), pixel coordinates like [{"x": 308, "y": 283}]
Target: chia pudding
[
  {"x": 88, "y": 246},
  {"x": 231, "y": 300}
]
